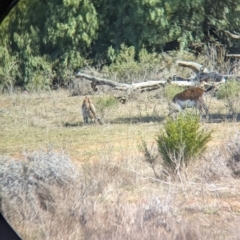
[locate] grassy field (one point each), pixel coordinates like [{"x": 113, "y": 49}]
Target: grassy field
[
  {"x": 33, "y": 121},
  {"x": 117, "y": 195}
]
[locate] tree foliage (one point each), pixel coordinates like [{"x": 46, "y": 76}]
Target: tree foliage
[{"x": 55, "y": 38}]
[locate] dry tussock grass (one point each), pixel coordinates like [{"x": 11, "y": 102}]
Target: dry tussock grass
[
  {"x": 46, "y": 196},
  {"x": 97, "y": 184}
]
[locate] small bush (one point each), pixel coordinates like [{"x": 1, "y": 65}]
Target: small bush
[
  {"x": 31, "y": 183},
  {"x": 39, "y": 83},
  {"x": 127, "y": 65},
  {"x": 181, "y": 140},
  {"x": 171, "y": 90},
  {"x": 233, "y": 150},
  {"x": 229, "y": 89},
  {"x": 230, "y": 92},
  {"x": 106, "y": 102},
  {"x": 105, "y": 105}
]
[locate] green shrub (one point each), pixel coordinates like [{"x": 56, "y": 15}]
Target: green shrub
[
  {"x": 181, "y": 140},
  {"x": 229, "y": 89},
  {"x": 106, "y": 102},
  {"x": 171, "y": 90},
  {"x": 230, "y": 92},
  {"x": 38, "y": 83},
  {"x": 123, "y": 64},
  {"x": 127, "y": 66},
  {"x": 106, "y": 105}
]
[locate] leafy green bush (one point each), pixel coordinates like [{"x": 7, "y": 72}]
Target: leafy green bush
[
  {"x": 182, "y": 140},
  {"x": 9, "y": 69},
  {"x": 171, "y": 90},
  {"x": 38, "y": 83},
  {"x": 123, "y": 63},
  {"x": 106, "y": 102},
  {"x": 105, "y": 105},
  {"x": 230, "y": 92},
  {"x": 229, "y": 89},
  {"x": 128, "y": 66}
]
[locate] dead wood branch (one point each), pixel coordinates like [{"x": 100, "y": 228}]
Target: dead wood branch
[
  {"x": 232, "y": 77},
  {"x": 202, "y": 73},
  {"x": 177, "y": 78},
  {"x": 102, "y": 81},
  {"x": 202, "y": 76},
  {"x": 196, "y": 67},
  {"x": 210, "y": 77},
  {"x": 232, "y": 35},
  {"x": 143, "y": 86},
  {"x": 233, "y": 55},
  {"x": 120, "y": 86}
]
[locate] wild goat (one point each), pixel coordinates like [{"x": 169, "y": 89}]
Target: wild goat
[
  {"x": 189, "y": 98},
  {"x": 89, "y": 111}
]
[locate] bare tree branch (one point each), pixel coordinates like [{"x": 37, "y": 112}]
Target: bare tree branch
[
  {"x": 143, "y": 86},
  {"x": 196, "y": 67},
  {"x": 233, "y": 55},
  {"x": 210, "y": 77},
  {"x": 203, "y": 74},
  {"x": 102, "y": 81},
  {"x": 232, "y": 35}
]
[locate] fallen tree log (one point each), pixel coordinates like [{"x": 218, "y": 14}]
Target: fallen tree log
[
  {"x": 233, "y": 55},
  {"x": 148, "y": 85},
  {"x": 177, "y": 78},
  {"x": 120, "y": 86},
  {"x": 102, "y": 81},
  {"x": 202, "y": 77}
]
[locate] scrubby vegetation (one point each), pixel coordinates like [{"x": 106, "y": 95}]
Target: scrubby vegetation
[
  {"x": 172, "y": 90},
  {"x": 181, "y": 141},
  {"x": 140, "y": 175},
  {"x": 230, "y": 92},
  {"x": 61, "y": 179},
  {"x": 46, "y": 196}
]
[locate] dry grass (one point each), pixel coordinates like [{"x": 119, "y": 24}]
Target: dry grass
[{"x": 96, "y": 184}]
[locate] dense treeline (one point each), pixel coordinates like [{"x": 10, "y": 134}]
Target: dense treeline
[{"x": 46, "y": 41}]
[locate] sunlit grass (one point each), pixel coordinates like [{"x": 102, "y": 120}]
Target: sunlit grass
[
  {"x": 31, "y": 122},
  {"x": 116, "y": 184}
]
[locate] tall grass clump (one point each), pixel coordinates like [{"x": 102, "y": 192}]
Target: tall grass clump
[
  {"x": 30, "y": 183},
  {"x": 233, "y": 150},
  {"x": 230, "y": 92},
  {"x": 181, "y": 140},
  {"x": 105, "y": 104}
]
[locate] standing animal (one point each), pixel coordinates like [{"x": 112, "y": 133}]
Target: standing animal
[
  {"x": 189, "y": 98},
  {"x": 89, "y": 111}
]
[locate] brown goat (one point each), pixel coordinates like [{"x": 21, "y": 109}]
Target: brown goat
[
  {"x": 89, "y": 111},
  {"x": 189, "y": 98}
]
